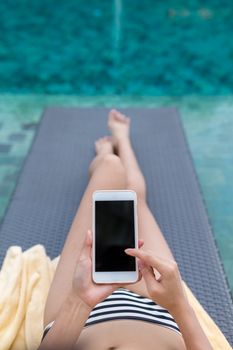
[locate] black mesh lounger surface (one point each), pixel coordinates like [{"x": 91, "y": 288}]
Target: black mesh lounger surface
[{"x": 56, "y": 173}]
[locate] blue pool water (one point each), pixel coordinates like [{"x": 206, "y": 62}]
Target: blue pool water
[
  {"x": 119, "y": 47},
  {"x": 123, "y": 53}
]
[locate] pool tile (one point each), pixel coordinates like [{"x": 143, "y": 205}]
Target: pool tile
[
  {"x": 5, "y": 148},
  {"x": 16, "y": 137},
  {"x": 11, "y": 160},
  {"x": 29, "y": 126},
  {"x": 12, "y": 177},
  {"x": 5, "y": 189}
]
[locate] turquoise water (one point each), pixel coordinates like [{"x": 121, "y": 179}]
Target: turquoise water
[
  {"x": 119, "y": 47},
  {"x": 123, "y": 53}
]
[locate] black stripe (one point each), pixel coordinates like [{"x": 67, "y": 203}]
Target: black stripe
[
  {"x": 45, "y": 332},
  {"x": 133, "y": 318},
  {"x": 131, "y": 311},
  {"x": 136, "y": 301}
]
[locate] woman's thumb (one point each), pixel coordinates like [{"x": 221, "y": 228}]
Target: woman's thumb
[
  {"x": 89, "y": 238},
  {"x": 87, "y": 244}
]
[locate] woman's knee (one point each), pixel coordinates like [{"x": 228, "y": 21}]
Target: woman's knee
[{"x": 114, "y": 166}]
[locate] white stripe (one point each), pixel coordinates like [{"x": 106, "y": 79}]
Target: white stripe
[
  {"x": 128, "y": 292},
  {"x": 49, "y": 325},
  {"x": 129, "y": 297}
]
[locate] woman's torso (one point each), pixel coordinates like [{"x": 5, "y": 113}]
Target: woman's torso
[
  {"x": 146, "y": 325},
  {"x": 129, "y": 335}
]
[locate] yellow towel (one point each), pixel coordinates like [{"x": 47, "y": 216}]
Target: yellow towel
[{"x": 25, "y": 278}]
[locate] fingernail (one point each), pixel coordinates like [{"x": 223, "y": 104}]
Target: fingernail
[{"x": 128, "y": 250}]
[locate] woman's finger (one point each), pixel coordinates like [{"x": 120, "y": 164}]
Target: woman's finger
[
  {"x": 149, "y": 277},
  {"x": 149, "y": 259}
]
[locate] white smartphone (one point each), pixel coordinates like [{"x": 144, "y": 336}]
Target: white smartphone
[{"x": 115, "y": 228}]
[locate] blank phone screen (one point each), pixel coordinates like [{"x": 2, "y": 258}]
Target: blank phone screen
[{"x": 114, "y": 232}]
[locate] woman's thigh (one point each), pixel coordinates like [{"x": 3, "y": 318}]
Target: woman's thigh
[
  {"x": 149, "y": 231},
  {"x": 109, "y": 175}
]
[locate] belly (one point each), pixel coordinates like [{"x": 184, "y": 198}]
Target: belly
[{"x": 129, "y": 335}]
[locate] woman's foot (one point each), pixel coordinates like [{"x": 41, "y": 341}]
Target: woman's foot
[
  {"x": 118, "y": 124},
  {"x": 104, "y": 145}
]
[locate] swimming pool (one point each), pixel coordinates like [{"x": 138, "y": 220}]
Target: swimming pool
[
  {"x": 121, "y": 47},
  {"x": 123, "y": 53}
]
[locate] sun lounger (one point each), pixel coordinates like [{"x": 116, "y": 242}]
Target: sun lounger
[{"x": 56, "y": 172}]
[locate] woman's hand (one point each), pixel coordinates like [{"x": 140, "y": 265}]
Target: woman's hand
[
  {"x": 167, "y": 290},
  {"x": 83, "y": 286}
]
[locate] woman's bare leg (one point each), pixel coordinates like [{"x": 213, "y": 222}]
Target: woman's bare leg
[
  {"x": 148, "y": 228},
  {"x": 106, "y": 173}
]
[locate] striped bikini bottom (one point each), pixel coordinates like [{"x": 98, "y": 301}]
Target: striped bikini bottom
[{"x": 123, "y": 304}]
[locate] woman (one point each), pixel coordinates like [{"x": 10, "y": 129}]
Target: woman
[{"x": 152, "y": 313}]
